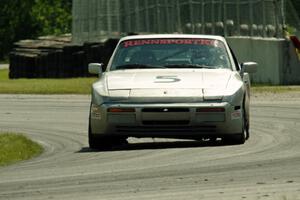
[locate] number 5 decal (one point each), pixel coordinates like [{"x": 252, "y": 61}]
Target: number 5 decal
[{"x": 166, "y": 79}]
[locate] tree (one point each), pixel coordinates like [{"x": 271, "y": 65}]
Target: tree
[
  {"x": 52, "y": 16},
  {"x": 15, "y": 23},
  {"x": 28, "y": 19}
]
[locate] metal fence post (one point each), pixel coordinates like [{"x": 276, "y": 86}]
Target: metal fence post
[
  {"x": 75, "y": 20},
  {"x": 203, "y": 16},
  {"x": 179, "y": 25},
  {"x": 137, "y": 16},
  {"x": 108, "y": 17},
  {"x": 118, "y": 16},
  {"x": 158, "y": 16},
  {"x": 147, "y": 18},
  {"x": 277, "y": 15},
  {"x": 191, "y": 15},
  {"x": 251, "y": 17},
  {"x": 238, "y": 17},
  {"x": 168, "y": 14},
  {"x": 282, "y": 17},
  {"x": 127, "y": 13},
  {"x": 224, "y": 18},
  {"x": 264, "y": 17},
  {"x": 283, "y": 12}
]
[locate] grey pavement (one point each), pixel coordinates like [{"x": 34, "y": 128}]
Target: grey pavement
[{"x": 266, "y": 167}]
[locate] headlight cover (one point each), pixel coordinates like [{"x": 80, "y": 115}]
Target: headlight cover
[
  {"x": 99, "y": 93},
  {"x": 235, "y": 91}
]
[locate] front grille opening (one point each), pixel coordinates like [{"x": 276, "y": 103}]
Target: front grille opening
[
  {"x": 166, "y": 129},
  {"x": 171, "y": 122},
  {"x": 210, "y": 109},
  {"x": 164, "y": 110}
]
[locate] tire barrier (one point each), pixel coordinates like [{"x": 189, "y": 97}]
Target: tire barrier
[{"x": 57, "y": 57}]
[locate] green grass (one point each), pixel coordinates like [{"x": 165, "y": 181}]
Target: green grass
[
  {"x": 16, "y": 147},
  {"x": 44, "y": 86},
  {"x": 274, "y": 89},
  {"x": 83, "y": 86}
]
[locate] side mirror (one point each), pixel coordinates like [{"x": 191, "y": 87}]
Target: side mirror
[
  {"x": 95, "y": 68},
  {"x": 249, "y": 67}
]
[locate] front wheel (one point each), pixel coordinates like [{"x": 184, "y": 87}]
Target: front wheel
[
  {"x": 103, "y": 142},
  {"x": 239, "y": 138},
  {"x": 235, "y": 139}
]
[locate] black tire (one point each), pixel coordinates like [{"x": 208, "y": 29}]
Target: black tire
[
  {"x": 235, "y": 139},
  {"x": 93, "y": 142},
  {"x": 104, "y": 142},
  {"x": 247, "y": 127}
]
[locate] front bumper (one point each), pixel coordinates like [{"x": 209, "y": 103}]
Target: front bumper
[{"x": 167, "y": 120}]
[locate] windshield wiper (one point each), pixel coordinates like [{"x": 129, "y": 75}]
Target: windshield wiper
[
  {"x": 187, "y": 66},
  {"x": 137, "y": 66}
]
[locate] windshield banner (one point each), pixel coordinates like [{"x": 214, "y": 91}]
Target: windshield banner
[{"x": 131, "y": 43}]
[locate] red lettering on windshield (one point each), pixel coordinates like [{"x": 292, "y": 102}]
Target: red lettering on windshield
[{"x": 131, "y": 43}]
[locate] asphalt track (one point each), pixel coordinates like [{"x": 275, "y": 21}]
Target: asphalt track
[{"x": 266, "y": 167}]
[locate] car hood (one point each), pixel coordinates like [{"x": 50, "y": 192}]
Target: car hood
[
  {"x": 168, "y": 79},
  {"x": 169, "y": 85}
]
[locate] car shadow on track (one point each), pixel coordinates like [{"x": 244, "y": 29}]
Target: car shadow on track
[{"x": 156, "y": 145}]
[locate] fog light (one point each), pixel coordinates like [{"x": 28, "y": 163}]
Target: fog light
[{"x": 236, "y": 114}]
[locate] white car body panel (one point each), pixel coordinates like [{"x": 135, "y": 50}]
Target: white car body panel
[{"x": 188, "y": 78}]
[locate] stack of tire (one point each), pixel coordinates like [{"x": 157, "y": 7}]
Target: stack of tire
[{"x": 56, "y": 57}]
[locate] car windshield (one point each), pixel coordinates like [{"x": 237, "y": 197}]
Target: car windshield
[{"x": 170, "y": 53}]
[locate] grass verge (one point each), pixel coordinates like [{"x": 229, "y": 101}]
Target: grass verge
[
  {"x": 83, "y": 86},
  {"x": 44, "y": 86},
  {"x": 16, "y": 147},
  {"x": 274, "y": 89}
]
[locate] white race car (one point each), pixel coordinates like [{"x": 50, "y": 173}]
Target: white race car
[{"x": 171, "y": 86}]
